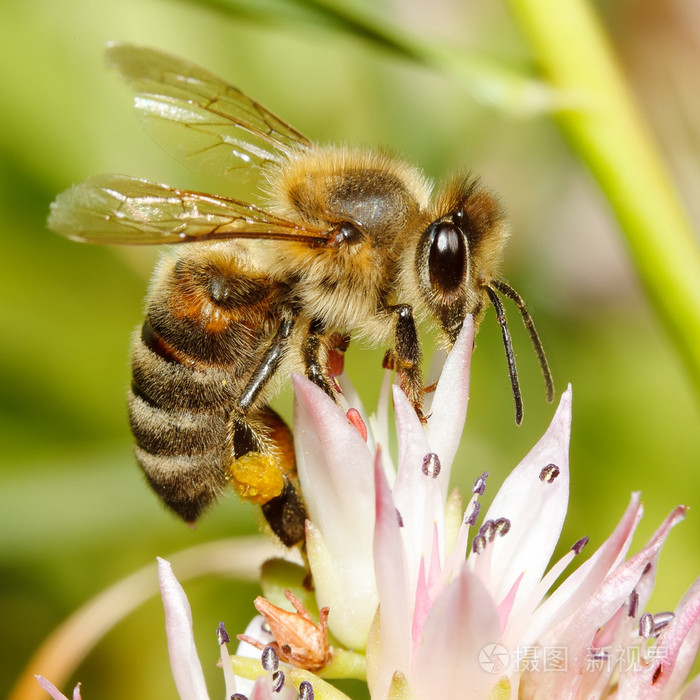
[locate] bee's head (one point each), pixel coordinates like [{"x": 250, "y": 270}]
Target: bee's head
[{"x": 459, "y": 253}]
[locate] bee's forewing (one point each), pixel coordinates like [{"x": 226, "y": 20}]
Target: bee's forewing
[
  {"x": 125, "y": 210},
  {"x": 200, "y": 119}
]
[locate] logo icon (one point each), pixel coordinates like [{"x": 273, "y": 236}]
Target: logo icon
[{"x": 494, "y": 658}]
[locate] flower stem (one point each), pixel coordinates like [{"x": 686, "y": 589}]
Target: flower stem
[{"x": 607, "y": 131}]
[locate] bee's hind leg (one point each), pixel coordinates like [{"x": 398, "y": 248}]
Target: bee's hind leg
[{"x": 263, "y": 467}]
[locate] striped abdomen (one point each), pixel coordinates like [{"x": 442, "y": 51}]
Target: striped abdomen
[{"x": 207, "y": 324}]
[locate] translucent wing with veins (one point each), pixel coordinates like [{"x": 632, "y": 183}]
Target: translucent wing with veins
[
  {"x": 125, "y": 210},
  {"x": 197, "y": 117}
]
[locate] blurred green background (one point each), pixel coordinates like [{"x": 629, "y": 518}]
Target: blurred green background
[{"x": 75, "y": 515}]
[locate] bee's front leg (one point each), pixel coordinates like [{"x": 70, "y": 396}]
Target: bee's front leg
[
  {"x": 315, "y": 369},
  {"x": 405, "y": 357}
]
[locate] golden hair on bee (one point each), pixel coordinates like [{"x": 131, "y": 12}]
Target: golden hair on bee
[{"x": 347, "y": 242}]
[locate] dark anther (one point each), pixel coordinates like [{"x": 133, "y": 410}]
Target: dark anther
[
  {"x": 479, "y": 544},
  {"x": 549, "y": 473},
  {"x": 471, "y": 518},
  {"x": 488, "y": 530},
  {"x": 306, "y": 691},
  {"x": 239, "y": 696},
  {"x": 646, "y": 626},
  {"x": 633, "y": 604},
  {"x": 431, "y": 465},
  {"x": 661, "y": 620},
  {"x": 657, "y": 674},
  {"x": 480, "y": 484},
  {"x": 647, "y": 568},
  {"x": 221, "y": 634},
  {"x": 277, "y": 681},
  {"x": 399, "y": 518},
  {"x": 578, "y": 546},
  {"x": 502, "y": 526},
  {"x": 269, "y": 659}
]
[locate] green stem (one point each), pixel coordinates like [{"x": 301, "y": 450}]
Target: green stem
[{"x": 608, "y": 133}]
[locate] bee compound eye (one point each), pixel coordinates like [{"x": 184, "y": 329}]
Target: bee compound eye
[{"x": 447, "y": 258}]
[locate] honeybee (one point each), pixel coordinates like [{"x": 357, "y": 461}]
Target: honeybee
[{"x": 348, "y": 242}]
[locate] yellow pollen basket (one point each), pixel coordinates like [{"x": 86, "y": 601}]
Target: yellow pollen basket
[{"x": 257, "y": 478}]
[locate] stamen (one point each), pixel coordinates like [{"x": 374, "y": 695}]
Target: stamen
[
  {"x": 488, "y": 530},
  {"x": 269, "y": 659},
  {"x": 633, "y": 604},
  {"x": 549, "y": 473},
  {"x": 478, "y": 544},
  {"x": 480, "y": 484},
  {"x": 661, "y": 620},
  {"x": 578, "y": 546},
  {"x": 229, "y": 676},
  {"x": 222, "y": 635},
  {"x": 306, "y": 691},
  {"x": 431, "y": 465},
  {"x": 502, "y": 526},
  {"x": 356, "y": 419},
  {"x": 277, "y": 681},
  {"x": 239, "y": 696},
  {"x": 646, "y": 626},
  {"x": 474, "y": 514},
  {"x": 399, "y": 518},
  {"x": 647, "y": 568}
]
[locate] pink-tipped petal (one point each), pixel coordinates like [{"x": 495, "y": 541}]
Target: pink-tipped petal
[
  {"x": 461, "y": 625},
  {"x": 577, "y": 587},
  {"x": 54, "y": 692},
  {"x": 672, "y": 657},
  {"x": 337, "y": 480},
  {"x": 448, "y": 410},
  {"x": 333, "y": 461},
  {"x": 184, "y": 661},
  {"x": 534, "y": 499},
  {"x": 577, "y": 634}
]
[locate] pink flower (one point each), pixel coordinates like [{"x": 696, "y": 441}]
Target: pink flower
[{"x": 445, "y": 610}]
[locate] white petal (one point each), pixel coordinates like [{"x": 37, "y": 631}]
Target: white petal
[
  {"x": 448, "y": 410},
  {"x": 536, "y": 510},
  {"x": 184, "y": 661},
  {"x": 418, "y": 497},
  {"x": 394, "y": 643},
  {"x": 345, "y": 585}
]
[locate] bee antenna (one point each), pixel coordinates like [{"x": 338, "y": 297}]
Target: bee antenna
[
  {"x": 510, "y": 357},
  {"x": 509, "y": 292}
]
